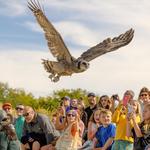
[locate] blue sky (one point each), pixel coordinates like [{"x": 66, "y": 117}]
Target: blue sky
[{"x": 82, "y": 24}]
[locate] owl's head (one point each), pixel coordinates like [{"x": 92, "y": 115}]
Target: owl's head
[{"x": 83, "y": 65}]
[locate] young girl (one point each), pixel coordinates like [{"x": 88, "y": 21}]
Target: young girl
[
  {"x": 141, "y": 132},
  {"x": 93, "y": 124},
  {"x": 123, "y": 142}
]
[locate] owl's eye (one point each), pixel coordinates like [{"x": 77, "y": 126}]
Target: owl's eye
[{"x": 84, "y": 63}]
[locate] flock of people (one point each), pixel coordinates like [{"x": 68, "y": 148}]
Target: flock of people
[{"x": 109, "y": 123}]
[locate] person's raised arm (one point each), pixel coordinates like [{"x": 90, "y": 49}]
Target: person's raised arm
[
  {"x": 128, "y": 126},
  {"x": 116, "y": 114},
  {"x": 136, "y": 126},
  {"x": 60, "y": 119}
]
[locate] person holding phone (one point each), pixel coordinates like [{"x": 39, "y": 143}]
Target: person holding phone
[
  {"x": 128, "y": 96},
  {"x": 119, "y": 117},
  {"x": 140, "y": 131}
]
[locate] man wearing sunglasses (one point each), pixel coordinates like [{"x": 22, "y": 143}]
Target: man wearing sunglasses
[{"x": 37, "y": 131}]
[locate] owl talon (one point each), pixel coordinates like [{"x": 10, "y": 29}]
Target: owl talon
[
  {"x": 55, "y": 79},
  {"x": 51, "y": 76}
]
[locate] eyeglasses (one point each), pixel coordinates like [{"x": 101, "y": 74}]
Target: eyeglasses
[
  {"x": 19, "y": 108},
  {"x": 26, "y": 114},
  {"x": 7, "y": 109},
  {"x": 71, "y": 115},
  {"x": 5, "y": 119},
  {"x": 144, "y": 94}
]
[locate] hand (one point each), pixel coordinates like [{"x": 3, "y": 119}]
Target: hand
[
  {"x": 128, "y": 117},
  {"x": 30, "y": 139},
  {"x": 27, "y": 146},
  {"x": 133, "y": 116},
  {"x": 61, "y": 111},
  {"x": 123, "y": 109}
]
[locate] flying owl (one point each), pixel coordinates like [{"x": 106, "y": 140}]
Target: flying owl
[{"x": 66, "y": 64}]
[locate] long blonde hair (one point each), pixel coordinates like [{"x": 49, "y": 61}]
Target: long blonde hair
[
  {"x": 138, "y": 110},
  {"x": 92, "y": 116}
]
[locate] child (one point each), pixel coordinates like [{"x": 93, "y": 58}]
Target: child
[
  {"x": 141, "y": 132},
  {"x": 122, "y": 141},
  {"x": 105, "y": 135},
  {"x": 93, "y": 124}
]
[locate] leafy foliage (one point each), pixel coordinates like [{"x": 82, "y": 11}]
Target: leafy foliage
[{"x": 49, "y": 103}]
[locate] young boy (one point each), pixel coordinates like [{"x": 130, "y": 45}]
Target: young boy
[{"x": 105, "y": 135}]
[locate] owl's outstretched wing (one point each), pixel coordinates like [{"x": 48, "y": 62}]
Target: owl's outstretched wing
[
  {"x": 55, "y": 41},
  {"x": 108, "y": 45}
]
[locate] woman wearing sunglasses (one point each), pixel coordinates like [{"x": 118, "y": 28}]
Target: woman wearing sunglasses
[
  {"x": 69, "y": 139},
  {"x": 144, "y": 98}
]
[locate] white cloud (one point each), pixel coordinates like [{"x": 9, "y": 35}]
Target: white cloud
[
  {"x": 126, "y": 13},
  {"x": 127, "y": 68},
  {"x": 107, "y": 74},
  {"x": 75, "y": 32},
  {"x": 12, "y": 8},
  {"x": 33, "y": 26}
]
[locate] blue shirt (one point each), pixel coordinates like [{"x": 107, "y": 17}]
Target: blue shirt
[{"x": 104, "y": 133}]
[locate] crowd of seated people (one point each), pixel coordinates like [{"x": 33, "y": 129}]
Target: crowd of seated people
[{"x": 106, "y": 123}]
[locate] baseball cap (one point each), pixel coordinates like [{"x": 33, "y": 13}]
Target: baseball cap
[
  {"x": 91, "y": 94},
  {"x": 66, "y": 98},
  {"x": 7, "y": 105}
]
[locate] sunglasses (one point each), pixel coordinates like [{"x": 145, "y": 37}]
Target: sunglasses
[
  {"x": 26, "y": 114},
  {"x": 18, "y": 108},
  {"x": 71, "y": 115},
  {"x": 7, "y": 108},
  {"x": 5, "y": 119},
  {"x": 144, "y": 94}
]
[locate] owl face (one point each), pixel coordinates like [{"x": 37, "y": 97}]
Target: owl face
[{"x": 83, "y": 65}]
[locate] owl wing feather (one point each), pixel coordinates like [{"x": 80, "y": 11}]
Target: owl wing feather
[
  {"x": 55, "y": 41},
  {"x": 108, "y": 45}
]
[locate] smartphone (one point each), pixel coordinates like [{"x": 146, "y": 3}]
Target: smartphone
[
  {"x": 130, "y": 109},
  {"x": 125, "y": 100}
]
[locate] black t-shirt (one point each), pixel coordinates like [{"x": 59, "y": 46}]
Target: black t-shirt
[
  {"x": 141, "y": 142},
  {"x": 84, "y": 118},
  {"x": 89, "y": 111}
]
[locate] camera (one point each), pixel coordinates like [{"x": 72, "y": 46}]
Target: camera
[{"x": 115, "y": 97}]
